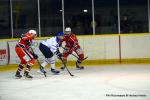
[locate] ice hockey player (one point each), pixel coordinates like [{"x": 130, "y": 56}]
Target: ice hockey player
[
  {"x": 49, "y": 49},
  {"x": 25, "y": 54},
  {"x": 71, "y": 42}
]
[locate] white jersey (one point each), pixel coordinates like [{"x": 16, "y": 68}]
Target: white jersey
[{"x": 51, "y": 43}]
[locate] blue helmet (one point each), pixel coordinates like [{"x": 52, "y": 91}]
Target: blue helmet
[{"x": 60, "y": 34}]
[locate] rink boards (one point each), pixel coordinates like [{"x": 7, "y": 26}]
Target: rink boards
[{"x": 99, "y": 49}]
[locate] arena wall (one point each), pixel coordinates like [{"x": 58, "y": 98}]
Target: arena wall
[{"x": 96, "y": 47}]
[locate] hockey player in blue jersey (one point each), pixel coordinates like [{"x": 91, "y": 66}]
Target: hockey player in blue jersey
[{"x": 49, "y": 48}]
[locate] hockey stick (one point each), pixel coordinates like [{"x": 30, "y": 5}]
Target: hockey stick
[
  {"x": 67, "y": 69},
  {"x": 75, "y": 55},
  {"x": 78, "y": 57},
  {"x": 65, "y": 64},
  {"x": 41, "y": 68}
]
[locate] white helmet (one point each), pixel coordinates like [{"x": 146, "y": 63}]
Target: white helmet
[
  {"x": 68, "y": 29},
  {"x": 32, "y": 32}
]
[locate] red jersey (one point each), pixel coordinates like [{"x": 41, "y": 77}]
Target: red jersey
[
  {"x": 22, "y": 49},
  {"x": 71, "y": 41},
  {"x": 25, "y": 40}
]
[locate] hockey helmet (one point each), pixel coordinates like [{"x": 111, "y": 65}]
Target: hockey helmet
[
  {"x": 67, "y": 29},
  {"x": 60, "y": 34},
  {"x": 33, "y": 32}
]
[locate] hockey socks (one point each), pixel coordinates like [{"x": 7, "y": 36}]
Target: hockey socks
[
  {"x": 27, "y": 71},
  {"x": 78, "y": 65},
  {"x": 20, "y": 68}
]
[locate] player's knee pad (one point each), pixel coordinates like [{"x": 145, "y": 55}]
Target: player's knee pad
[
  {"x": 51, "y": 60},
  {"x": 44, "y": 63},
  {"x": 31, "y": 62},
  {"x": 81, "y": 57},
  {"x": 79, "y": 51},
  {"x": 23, "y": 62},
  {"x": 26, "y": 58}
]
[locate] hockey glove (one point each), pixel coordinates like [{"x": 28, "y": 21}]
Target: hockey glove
[
  {"x": 69, "y": 50},
  {"x": 60, "y": 56},
  {"x": 35, "y": 56}
]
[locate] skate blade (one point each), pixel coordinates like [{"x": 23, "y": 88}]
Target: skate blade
[
  {"x": 79, "y": 68},
  {"x": 18, "y": 77},
  {"x": 40, "y": 72},
  {"x": 25, "y": 78}
]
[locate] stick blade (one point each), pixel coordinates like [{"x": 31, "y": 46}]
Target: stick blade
[
  {"x": 45, "y": 75},
  {"x": 71, "y": 75}
]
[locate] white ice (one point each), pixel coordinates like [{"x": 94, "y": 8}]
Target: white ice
[{"x": 105, "y": 82}]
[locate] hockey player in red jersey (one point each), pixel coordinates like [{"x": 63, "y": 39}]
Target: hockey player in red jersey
[
  {"x": 26, "y": 56},
  {"x": 72, "y": 45}
]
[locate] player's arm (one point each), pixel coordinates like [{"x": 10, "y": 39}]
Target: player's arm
[
  {"x": 35, "y": 56},
  {"x": 59, "y": 54},
  {"x": 74, "y": 42},
  {"x": 27, "y": 40}
]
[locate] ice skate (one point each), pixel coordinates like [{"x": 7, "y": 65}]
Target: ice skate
[
  {"x": 54, "y": 71},
  {"x": 18, "y": 76},
  {"x": 78, "y": 67},
  {"x": 41, "y": 71},
  {"x": 27, "y": 76}
]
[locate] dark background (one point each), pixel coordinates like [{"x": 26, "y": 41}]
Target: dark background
[{"x": 133, "y": 16}]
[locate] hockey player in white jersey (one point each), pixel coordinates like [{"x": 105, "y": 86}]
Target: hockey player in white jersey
[{"x": 49, "y": 48}]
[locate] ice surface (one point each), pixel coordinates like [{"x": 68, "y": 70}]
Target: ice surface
[{"x": 105, "y": 82}]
